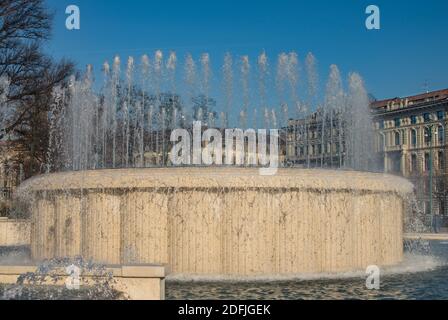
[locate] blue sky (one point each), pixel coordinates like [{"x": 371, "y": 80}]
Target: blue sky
[{"x": 409, "y": 50}]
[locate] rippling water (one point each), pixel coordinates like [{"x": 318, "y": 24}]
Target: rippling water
[
  {"x": 418, "y": 277},
  {"x": 425, "y": 285}
]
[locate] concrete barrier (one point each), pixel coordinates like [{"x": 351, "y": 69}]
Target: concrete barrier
[
  {"x": 14, "y": 232},
  {"x": 143, "y": 282}
]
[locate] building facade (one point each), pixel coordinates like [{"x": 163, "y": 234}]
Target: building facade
[
  {"x": 410, "y": 140},
  {"x": 411, "y": 137},
  {"x": 312, "y": 142}
]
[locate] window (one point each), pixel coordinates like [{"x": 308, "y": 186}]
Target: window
[
  {"x": 427, "y": 208},
  {"x": 413, "y": 119},
  {"x": 382, "y": 143},
  {"x": 427, "y": 117},
  {"x": 427, "y": 161},
  {"x": 381, "y": 125},
  {"x": 397, "y": 138},
  {"x": 441, "y": 135},
  {"x": 414, "y": 164},
  {"x": 440, "y": 115},
  {"x": 428, "y": 135},
  {"x": 414, "y": 138},
  {"x": 397, "y": 122},
  {"x": 441, "y": 160}
]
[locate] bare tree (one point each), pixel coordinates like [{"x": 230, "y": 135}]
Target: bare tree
[{"x": 31, "y": 77}]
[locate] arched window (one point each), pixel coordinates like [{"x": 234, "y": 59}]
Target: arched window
[
  {"x": 397, "y": 138},
  {"x": 414, "y": 137}
]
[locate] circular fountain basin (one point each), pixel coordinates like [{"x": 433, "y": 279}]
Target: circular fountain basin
[{"x": 220, "y": 221}]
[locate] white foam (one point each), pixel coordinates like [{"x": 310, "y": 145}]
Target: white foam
[{"x": 412, "y": 263}]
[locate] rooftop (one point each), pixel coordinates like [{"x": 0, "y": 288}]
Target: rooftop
[{"x": 438, "y": 95}]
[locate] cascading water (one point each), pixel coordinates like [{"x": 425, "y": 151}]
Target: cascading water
[
  {"x": 358, "y": 123},
  {"x": 127, "y": 121},
  {"x": 245, "y": 72},
  {"x": 262, "y": 78},
  {"x": 313, "y": 83},
  {"x": 334, "y": 102}
]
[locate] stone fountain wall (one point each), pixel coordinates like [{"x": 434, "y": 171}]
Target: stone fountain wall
[
  {"x": 221, "y": 221},
  {"x": 14, "y": 233}
]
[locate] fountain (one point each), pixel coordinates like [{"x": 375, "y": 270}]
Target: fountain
[
  {"x": 220, "y": 221},
  {"x": 111, "y": 194}
]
